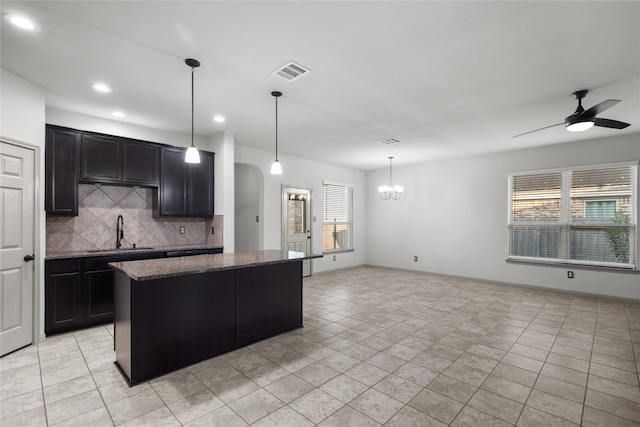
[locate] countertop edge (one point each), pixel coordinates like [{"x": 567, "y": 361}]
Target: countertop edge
[
  {"x": 202, "y": 265},
  {"x": 111, "y": 252}
]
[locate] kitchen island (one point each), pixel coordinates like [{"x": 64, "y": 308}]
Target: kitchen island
[{"x": 171, "y": 313}]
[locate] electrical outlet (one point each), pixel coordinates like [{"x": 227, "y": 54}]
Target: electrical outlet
[
  {"x": 569, "y": 274},
  {"x": 182, "y": 229},
  {"x": 334, "y": 257},
  {"x": 415, "y": 258}
]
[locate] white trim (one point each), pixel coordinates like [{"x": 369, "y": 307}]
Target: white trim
[
  {"x": 575, "y": 168},
  {"x": 341, "y": 184}
]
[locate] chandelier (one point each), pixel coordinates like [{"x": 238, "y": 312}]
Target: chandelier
[{"x": 390, "y": 192}]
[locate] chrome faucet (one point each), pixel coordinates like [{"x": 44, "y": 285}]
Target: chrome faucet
[{"x": 119, "y": 231}]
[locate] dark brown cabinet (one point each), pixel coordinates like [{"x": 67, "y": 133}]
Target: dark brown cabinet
[
  {"x": 108, "y": 159},
  {"x": 185, "y": 189},
  {"x": 62, "y": 295},
  {"x": 61, "y": 171}
]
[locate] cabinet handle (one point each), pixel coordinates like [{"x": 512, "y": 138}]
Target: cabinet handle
[{"x": 29, "y": 257}]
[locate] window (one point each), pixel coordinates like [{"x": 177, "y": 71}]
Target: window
[
  {"x": 583, "y": 216},
  {"x": 337, "y": 217}
]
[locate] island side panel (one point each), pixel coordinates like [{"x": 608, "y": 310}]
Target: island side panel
[
  {"x": 269, "y": 301},
  {"x": 182, "y": 320},
  {"x": 122, "y": 321}
]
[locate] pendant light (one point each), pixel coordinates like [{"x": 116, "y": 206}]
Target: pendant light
[
  {"x": 192, "y": 155},
  {"x": 390, "y": 192},
  {"x": 276, "y": 168}
]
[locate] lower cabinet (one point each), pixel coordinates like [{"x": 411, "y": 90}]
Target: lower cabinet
[{"x": 79, "y": 291}]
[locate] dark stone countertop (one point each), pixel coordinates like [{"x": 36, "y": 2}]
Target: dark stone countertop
[
  {"x": 104, "y": 252},
  {"x": 179, "y": 266}
]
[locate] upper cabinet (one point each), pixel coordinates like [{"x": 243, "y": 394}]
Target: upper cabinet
[
  {"x": 62, "y": 147},
  {"x": 186, "y": 189},
  {"x": 108, "y": 159},
  {"x": 73, "y": 156}
]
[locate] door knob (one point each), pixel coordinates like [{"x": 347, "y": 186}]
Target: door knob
[{"x": 29, "y": 257}]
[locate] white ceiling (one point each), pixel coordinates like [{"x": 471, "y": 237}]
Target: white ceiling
[{"x": 447, "y": 78}]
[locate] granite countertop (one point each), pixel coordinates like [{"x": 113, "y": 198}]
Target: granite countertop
[
  {"x": 103, "y": 252},
  {"x": 179, "y": 266}
]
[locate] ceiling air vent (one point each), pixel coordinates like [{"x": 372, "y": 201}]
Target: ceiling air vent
[
  {"x": 291, "y": 71},
  {"x": 390, "y": 141}
]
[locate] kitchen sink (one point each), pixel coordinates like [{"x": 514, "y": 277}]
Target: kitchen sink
[{"x": 119, "y": 250}]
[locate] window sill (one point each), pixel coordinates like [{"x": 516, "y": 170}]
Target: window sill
[
  {"x": 337, "y": 251},
  {"x": 578, "y": 265}
]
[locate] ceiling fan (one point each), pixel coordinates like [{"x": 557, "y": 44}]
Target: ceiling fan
[{"x": 582, "y": 119}]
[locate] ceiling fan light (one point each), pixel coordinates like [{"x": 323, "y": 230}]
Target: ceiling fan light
[
  {"x": 580, "y": 126},
  {"x": 276, "y": 168},
  {"x": 192, "y": 155}
]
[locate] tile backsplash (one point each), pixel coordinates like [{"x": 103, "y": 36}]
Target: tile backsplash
[{"x": 98, "y": 210}]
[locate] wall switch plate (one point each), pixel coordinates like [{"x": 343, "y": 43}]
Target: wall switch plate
[
  {"x": 212, "y": 230},
  {"x": 569, "y": 274},
  {"x": 415, "y": 258},
  {"x": 334, "y": 257},
  {"x": 182, "y": 229}
]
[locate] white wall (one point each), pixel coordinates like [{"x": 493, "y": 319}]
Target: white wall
[
  {"x": 303, "y": 173},
  {"x": 453, "y": 216},
  {"x": 22, "y": 118}
]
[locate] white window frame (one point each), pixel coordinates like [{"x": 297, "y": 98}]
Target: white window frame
[
  {"x": 565, "y": 222},
  {"x": 348, "y": 222}
]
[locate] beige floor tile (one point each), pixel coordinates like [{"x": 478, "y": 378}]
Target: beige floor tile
[
  {"x": 222, "y": 417},
  {"x": 74, "y": 406},
  {"x": 531, "y": 352},
  {"x": 159, "y": 418},
  {"x": 133, "y": 407},
  {"x": 317, "y": 373},
  {"x": 522, "y": 362},
  {"x": 256, "y": 405},
  {"x": 560, "y": 388},
  {"x": 289, "y": 388},
  {"x": 568, "y": 362},
  {"x": 432, "y": 362},
  {"x": 386, "y": 362},
  {"x": 340, "y": 362},
  {"x": 266, "y": 374},
  {"x": 615, "y": 374},
  {"x": 22, "y": 403},
  {"x": 376, "y": 405},
  {"x": 177, "y": 385},
  {"x": 11, "y": 375},
  {"x": 398, "y": 388},
  {"x": 284, "y": 416},
  {"x": 366, "y": 373},
  {"x": 120, "y": 390},
  {"x": 555, "y": 405},
  {"x": 452, "y": 388},
  {"x": 417, "y": 374},
  {"x": 19, "y": 387},
  {"x": 614, "y": 362},
  {"x": 436, "y": 405},
  {"x": 466, "y": 374},
  {"x": 614, "y": 388},
  {"x": 32, "y": 418},
  {"x": 97, "y": 417},
  {"x": 409, "y": 417},
  {"x": 480, "y": 363},
  {"x": 506, "y": 388},
  {"x": 532, "y": 417},
  {"x": 470, "y": 417},
  {"x": 592, "y": 417},
  {"x": 67, "y": 389},
  {"x": 234, "y": 388},
  {"x": 343, "y": 388},
  {"x": 496, "y": 406},
  {"x": 195, "y": 406},
  {"x": 565, "y": 374},
  {"x": 316, "y": 405},
  {"x": 347, "y": 416}
]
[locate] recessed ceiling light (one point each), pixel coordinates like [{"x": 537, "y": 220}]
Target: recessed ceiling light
[
  {"x": 219, "y": 119},
  {"x": 22, "y": 22},
  {"x": 101, "y": 87},
  {"x": 119, "y": 114}
]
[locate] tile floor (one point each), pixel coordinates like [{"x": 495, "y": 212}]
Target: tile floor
[{"x": 379, "y": 347}]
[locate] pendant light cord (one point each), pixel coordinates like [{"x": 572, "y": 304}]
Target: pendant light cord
[
  {"x": 276, "y": 128},
  {"x": 192, "y": 71},
  {"x": 390, "y": 181}
]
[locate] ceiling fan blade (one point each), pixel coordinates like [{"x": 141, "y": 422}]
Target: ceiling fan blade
[
  {"x": 607, "y": 123},
  {"x": 531, "y": 131},
  {"x": 599, "y": 108}
]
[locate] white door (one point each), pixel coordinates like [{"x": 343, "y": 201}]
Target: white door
[
  {"x": 17, "y": 178},
  {"x": 296, "y": 227}
]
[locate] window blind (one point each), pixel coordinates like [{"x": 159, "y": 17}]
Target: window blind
[
  {"x": 337, "y": 218},
  {"x": 584, "y": 216}
]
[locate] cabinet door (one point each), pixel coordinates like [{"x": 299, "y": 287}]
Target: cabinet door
[
  {"x": 172, "y": 192},
  {"x": 98, "y": 295},
  {"x": 140, "y": 163},
  {"x": 61, "y": 171},
  {"x": 200, "y": 186},
  {"x": 100, "y": 159}
]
